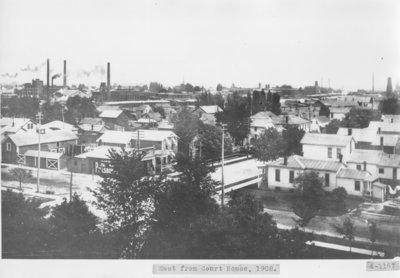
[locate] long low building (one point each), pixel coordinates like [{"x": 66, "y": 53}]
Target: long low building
[{"x": 98, "y": 160}]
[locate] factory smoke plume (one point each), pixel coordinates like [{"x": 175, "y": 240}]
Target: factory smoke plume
[
  {"x": 97, "y": 70},
  {"x": 34, "y": 69},
  {"x": 9, "y": 75}
]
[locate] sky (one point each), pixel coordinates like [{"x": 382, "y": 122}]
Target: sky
[{"x": 297, "y": 42}]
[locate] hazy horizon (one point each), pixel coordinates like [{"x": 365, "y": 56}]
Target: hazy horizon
[{"x": 338, "y": 43}]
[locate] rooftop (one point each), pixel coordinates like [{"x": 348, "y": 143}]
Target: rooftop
[
  {"x": 211, "y": 109},
  {"x": 353, "y": 174},
  {"x": 51, "y": 155},
  {"x": 325, "y": 139},
  {"x": 58, "y": 125},
  {"x": 299, "y": 162},
  {"x": 111, "y": 113},
  {"x": 359, "y": 134},
  {"x": 31, "y": 137},
  {"x": 116, "y": 137}
]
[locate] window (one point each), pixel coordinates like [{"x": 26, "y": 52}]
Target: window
[
  {"x": 277, "y": 175},
  {"x": 358, "y": 167},
  {"x": 8, "y": 147},
  {"x": 326, "y": 179},
  {"x": 381, "y": 171},
  {"x": 338, "y": 152},
  {"x": 291, "y": 176},
  {"x": 357, "y": 185},
  {"x": 329, "y": 152}
]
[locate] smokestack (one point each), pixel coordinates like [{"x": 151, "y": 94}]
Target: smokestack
[
  {"x": 65, "y": 74},
  {"x": 108, "y": 76},
  {"x": 48, "y": 80}
]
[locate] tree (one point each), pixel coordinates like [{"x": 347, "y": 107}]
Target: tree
[
  {"x": 373, "y": 230},
  {"x": 347, "y": 230},
  {"x": 177, "y": 206},
  {"x": 219, "y": 87},
  {"x": 210, "y": 138},
  {"x": 236, "y": 115},
  {"x": 25, "y": 231},
  {"x": 324, "y": 110},
  {"x": 276, "y": 104},
  {"x": 390, "y": 106},
  {"x": 155, "y": 87},
  {"x": 21, "y": 175},
  {"x": 186, "y": 126},
  {"x": 339, "y": 195},
  {"x": 79, "y": 108},
  {"x": 126, "y": 196},
  {"x": 160, "y": 110},
  {"x": 52, "y": 112},
  {"x": 259, "y": 102},
  {"x": 26, "y": 107},
  {"x": 333, "y": 126},
  {"x": 269, "y": 146},
  {"x": 360, "y": 118},
  {"x": 74, "y": 230},
  {"x": 291, "y": 137},
  {"x": 308, "y": 198}
]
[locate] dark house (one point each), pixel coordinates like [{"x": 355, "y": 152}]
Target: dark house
[{"x": 16, "y": 146}]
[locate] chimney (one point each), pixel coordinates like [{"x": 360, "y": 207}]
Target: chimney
[
  {"x": 340, "y": 158},
  {"x": 287, "y": 119},
  {"x": 365, "y": 166},
  {"x": 65, "y": 74},
  {"x": 48, "y": 80},
  {"x": 349, "y": 131},
  {"x": 285, "y": 160},
  {"x": 92, "y": 127},
  {"x": 379, "y": 130},
  {"x": 381, "y": 141}
]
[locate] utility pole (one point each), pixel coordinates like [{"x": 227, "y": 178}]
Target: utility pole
[
  {"x": 222, "y": 167},
  {"x": 373, "y": 85},
  {"x": 39, "y": 117},
  {"x": 70, "y": 188}
]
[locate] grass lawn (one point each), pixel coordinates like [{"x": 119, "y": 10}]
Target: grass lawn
[{"x": 282, "y": 200}]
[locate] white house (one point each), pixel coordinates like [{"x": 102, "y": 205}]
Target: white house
[
  {"x": 15, "y": 125},
  {"x": 282, "y": 172},
  {"x": 330, "y": 147},
  {"x": 207, "y": 113}
]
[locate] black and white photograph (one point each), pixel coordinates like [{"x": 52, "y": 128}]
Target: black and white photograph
[{"x": 199, "y": 137}]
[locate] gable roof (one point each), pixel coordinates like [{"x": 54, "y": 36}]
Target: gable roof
[
  {"x": 299, "y": 162},
  {"x": 370, "y": 156},
  {"x": 51, "y": 155},
  {"x": 325, "y": 139},
  {"x": 116, "y": 137},
  {"x": 91, "y": 121},
  {"x": 31, "y": 137},
  {"x": 59, "y": 125},
  {"x": 111, "y": 114},
  {"x": 353, "y": 174},
  {"x": 264, "y": 114},
  {"x": 153, "y": 135},
  {"x": 211, "y": 109},
  {"x": 359, "y": 134}
]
